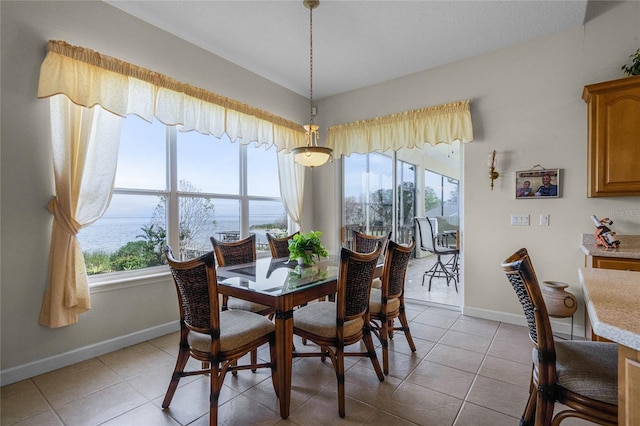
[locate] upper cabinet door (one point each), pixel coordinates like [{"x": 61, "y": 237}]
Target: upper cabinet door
[{"x": 614, "y": 137}]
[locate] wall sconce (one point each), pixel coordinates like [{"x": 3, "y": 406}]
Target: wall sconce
[{"x": 492, "y": 168}]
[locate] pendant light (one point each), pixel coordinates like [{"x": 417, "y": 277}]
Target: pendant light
[{"x": 311, "y": 155}]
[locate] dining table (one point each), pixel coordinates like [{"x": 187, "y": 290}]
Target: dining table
[{"x": 283, "y": 285}]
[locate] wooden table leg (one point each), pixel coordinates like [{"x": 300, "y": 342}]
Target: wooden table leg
[{"x": 284, "y": 345}]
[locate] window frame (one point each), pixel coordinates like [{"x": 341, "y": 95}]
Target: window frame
[{"x": 124, "y": 279}]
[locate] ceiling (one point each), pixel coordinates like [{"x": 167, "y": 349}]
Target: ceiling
[
  {"x": 355, "y": 43},
  {"x": 358, "y": 43}
]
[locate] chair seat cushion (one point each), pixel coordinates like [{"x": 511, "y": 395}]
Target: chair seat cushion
[
  {"x": 375, "y": 302},
  {"x": 320, "y": 319},
  {"x": 588, "y": 368},
  {"x": 237, "y": 328},
  {"x": 376, "y": 283},
  {"x": 244, "y": 305}
]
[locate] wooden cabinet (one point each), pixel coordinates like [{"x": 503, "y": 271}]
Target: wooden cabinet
[
  {"x": 622, "y": 264},
  {"x": 628, "y": 386},
  {"x": 614, "y": 137}
]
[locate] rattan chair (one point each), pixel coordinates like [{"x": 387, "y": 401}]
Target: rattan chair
[
  {"x": 582, "y": 375},
  {"x": 279, "y": 246},
  {"x": 365, "y": 243},
  {"x": 217, "y": 339},
  {"x": 335, "y": 325},
  {"x": 429, "y": 242},
  {"x": 229, "y": 253},
  {"x": 387, "y": 302}
]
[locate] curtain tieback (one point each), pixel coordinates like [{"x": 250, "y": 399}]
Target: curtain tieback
[{"x": 63, "y": 218}]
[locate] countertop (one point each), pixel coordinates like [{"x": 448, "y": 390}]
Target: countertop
[
  {"x": 629, "y": 247},
  {"x": 612, "y": 299}
]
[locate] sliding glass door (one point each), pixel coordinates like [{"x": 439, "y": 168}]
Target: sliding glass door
[
  {"x": 406, "y": 205},
  {"x": 369, "y": 195}
]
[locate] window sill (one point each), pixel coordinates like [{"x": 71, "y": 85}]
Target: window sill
[{"x": 127, "y": 279}]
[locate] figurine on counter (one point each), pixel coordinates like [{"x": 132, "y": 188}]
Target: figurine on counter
[{"x": 604, "y": 236}]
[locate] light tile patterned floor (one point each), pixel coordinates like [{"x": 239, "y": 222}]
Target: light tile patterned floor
[
  {"x": 440, "y": 293},
  {"x": 466, "y": 371}
]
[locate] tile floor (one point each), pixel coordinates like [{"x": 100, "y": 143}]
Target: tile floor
[
  {"x": 465, "y": 371},
  {"x": 440, "y": 293}
]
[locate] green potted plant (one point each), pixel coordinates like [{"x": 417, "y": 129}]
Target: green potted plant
[
  {"x": 303, "y": 247},
  {"x": 634, "y": 68}
]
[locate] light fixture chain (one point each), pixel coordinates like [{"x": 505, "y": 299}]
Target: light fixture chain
[
  {"x": 311, "y": 63},
  {"x": 311, "y": 155}
]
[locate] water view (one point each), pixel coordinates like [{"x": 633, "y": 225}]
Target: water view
[{"x": 111, "y": 233}]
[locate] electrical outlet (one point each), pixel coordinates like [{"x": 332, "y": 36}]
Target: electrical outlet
[
  {"x": 544, "y": 220},
  {"x": 519, "y": 220}
]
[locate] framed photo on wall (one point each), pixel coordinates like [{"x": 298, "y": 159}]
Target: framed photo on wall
[{"x": 537, "y": 183}]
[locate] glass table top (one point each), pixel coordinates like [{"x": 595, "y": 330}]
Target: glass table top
[{"x": 278, "y": 276}]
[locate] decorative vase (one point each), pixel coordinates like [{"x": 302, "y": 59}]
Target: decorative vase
[{"x": 560, "y": 303}]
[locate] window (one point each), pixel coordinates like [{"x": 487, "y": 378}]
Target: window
[{"x": 182, "y": 188}]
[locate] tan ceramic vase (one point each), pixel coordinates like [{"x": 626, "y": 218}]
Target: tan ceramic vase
[{"x": 560, "y": 303}]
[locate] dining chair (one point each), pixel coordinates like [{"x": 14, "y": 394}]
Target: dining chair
[
  {"x": 336, "y": 325},
  {"x": 229, "y": 253},
  {"x": 387, "y": 302},
  {"x": 365, "y": 243},
  {"x": 279, "y": 246},
  {"x": 429, "y": 243},
  {"x": 581, "y": 375},
  {"x": 216, "y": 338}
]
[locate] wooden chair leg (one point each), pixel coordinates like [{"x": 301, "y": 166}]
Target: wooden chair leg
[
  {"x": 216, "y": 385},
  {"x": 368, "y": 343},
  {"x": 384, "y": 341},
  {"x": 254, "y": 359},
  {"x": 340, "y": 377},
  {"x": 390, "y": 328},
  {"x": 181, "y": 362},
  {"x": 405, "y": 328},
  {"x": 544, "y": 409},
  {"x": 528, "y": 415}
]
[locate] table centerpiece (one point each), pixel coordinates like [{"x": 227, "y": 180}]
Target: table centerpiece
[{"x": 304, "y": 247}]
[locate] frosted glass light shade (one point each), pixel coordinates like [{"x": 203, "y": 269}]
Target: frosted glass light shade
[{"x": 311, "y": 156}]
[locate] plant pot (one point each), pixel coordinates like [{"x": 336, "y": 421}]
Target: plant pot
[{"x": 560, "y": 303}]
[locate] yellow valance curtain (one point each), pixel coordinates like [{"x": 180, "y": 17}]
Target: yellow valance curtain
[
  {"x": 410, "y": 129},
  {"x": 89, "y": 78}
]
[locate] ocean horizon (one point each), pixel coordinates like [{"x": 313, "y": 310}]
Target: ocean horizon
[{"x": 111, "y": 233}]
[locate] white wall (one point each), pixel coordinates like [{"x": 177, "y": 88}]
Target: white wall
[
  {"x": 526, "y": 103},
  {"x": 120, "y": 316}
]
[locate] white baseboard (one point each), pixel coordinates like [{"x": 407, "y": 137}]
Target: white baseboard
[
  {"x": 35, "y": 368},
  {"x": 559, "y": 325}
]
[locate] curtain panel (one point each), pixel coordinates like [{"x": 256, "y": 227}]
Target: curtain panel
[
  {"x": 410, "y": 129},
  {"x": 90, "y": 78},
  {"x": 84, "y": 143},
  {"x": 291, "y": 177}
]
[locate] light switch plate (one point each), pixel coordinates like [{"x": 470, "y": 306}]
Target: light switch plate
[
  {"x": 519, "y": 220},
  {"x": 544, "y": 220}
]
